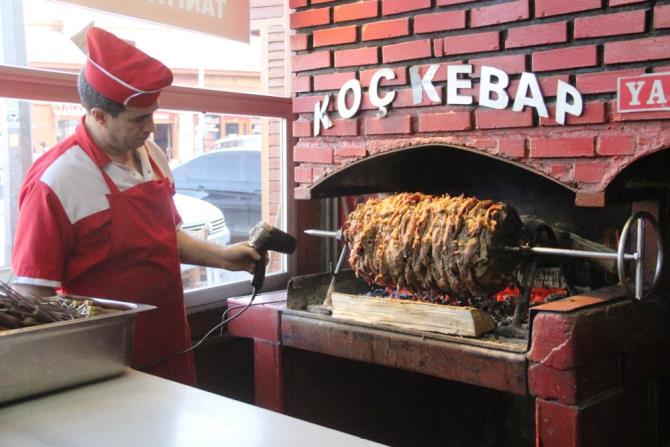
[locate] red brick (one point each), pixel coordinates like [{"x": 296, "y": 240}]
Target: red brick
[
  {"x": 442, "y": 70},
  {"x": 313, "y": 155},
  {"x": 616, "y": 145},
  {"x": 334, "y": 36},
  {"x": 318, "y": 172},
  {"x": 511, "y": 64},
  {"x": 305, "y": 104},
  {"x": 584, "y": 56},
  {"x": 332, "y": 81},
  {"x": 301, "y": 84},
  {"x": 400, "y": 124},
  {"x": 501, "y": 119},
  {"x": 637, "y": 50},
  {"x": 604, "y": 81},
  {"x": 572, "y": 386},
  {"x": 356, "y": 11},
  {"x": 499, "y": 13},
  {"x": 549, "y": 84},
  {"x": 357, "y": 56},
  {"x": 385, "y": 29},
  {"x": 302, "y": 128},
  {"x": 299, "y": 42},
  {"x": 628, "y": 22},
  {"x": 438, "y": 47},
  {"x": 561, "y": 147},
  {"x": 301, "y": 193},
  {"x": 316, "y": 2},
  {"x": 661, "y": 69},
  {"x": 560, "y": 170},
  {"x": 415, "y": 49},
  {"x": 399, "y": 6},
  {"x": 590, "y": 171},
  {"x": 662, "y": 16},
  {"x": 624, "y": 2},
  {"x": 485, "y": 143},
  {"x": 453, "y": 2},
  {"x": 637, "y": 116},
  {"x": 302, "y": 174},
  {"x": 310, "y": 17},
  {"x": 405, "y": 98},
  {"x": 445, "y": 121},
  {"x": 527, "y": 36},
  {"x": 310, "y": 61},
  {"x": 342, "y": 127},
  {"x": 472, "y": 43},
  {"x": 593, "y": 113},
  {"x": 400, "y": 77},
  {"x": 590, "y": 199},
  {"x": 515, "y": 148},
  {"x": 439, "y": 21},
  {"x": 351, "y": 151},
  {"x": 546, "y": 8},
  {"x": 296, "y": 3}
]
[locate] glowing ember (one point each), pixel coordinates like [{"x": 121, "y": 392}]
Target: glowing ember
[{"x": 538, "y": 295}]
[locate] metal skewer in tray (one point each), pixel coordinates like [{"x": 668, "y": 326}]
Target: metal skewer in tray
[
  {"x": 52, "y": 355},
  {"x": 621, "y": 256}
]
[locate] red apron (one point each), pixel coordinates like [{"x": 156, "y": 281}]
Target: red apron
[{"x": 143, "y": 267}]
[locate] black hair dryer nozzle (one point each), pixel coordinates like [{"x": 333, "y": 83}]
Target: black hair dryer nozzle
[{"x": 264, "y": 237}]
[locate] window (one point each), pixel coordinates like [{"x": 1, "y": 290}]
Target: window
[{"x": 223, "y": 154}]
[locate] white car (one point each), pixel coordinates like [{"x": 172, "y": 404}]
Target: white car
[{"x": 201, "y": 219}]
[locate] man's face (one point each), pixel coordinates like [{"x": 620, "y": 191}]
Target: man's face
[{"x": 130, "y": 128}]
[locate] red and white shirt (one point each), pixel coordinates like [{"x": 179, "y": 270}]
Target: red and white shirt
[{"x": 64, "y": 219}]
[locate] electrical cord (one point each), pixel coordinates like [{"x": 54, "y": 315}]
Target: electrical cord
[{"x": 211, "y": 331}]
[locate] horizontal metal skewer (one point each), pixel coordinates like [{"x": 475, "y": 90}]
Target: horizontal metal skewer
[
  {"x": 574, "y": 253},
  {"x": 539, "y": 250},
  {"x": 619, "y": 256},
  {"x": 324, "y": 233}
]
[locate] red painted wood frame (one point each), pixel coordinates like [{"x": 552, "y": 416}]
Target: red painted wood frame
[{"x": 45, "y": 85}]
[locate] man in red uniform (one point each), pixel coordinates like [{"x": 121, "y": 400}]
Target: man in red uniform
[{"x": 96, "y": 211}]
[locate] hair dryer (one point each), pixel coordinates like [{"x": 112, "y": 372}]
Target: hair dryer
[{"x": 264, "y": 237}]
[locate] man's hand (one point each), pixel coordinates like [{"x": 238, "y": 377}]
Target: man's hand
[{"x": 241, "y": 256}]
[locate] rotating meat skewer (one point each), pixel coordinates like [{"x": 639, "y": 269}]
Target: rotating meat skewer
[{"x": 620, "y": 255}]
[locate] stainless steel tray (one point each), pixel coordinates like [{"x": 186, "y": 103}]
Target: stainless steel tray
[{"x": 51, "y": 356}]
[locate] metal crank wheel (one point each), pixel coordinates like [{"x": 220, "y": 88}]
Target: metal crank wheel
[{"x": 638, "y": 291}]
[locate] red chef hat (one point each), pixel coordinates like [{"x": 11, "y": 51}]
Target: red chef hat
[{"x": 121, "y": 72}]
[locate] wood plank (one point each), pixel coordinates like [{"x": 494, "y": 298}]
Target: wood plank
[{"x": 444, "y": 319}]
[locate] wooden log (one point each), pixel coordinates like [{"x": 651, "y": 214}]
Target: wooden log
[{"x": 406, "y": 314}]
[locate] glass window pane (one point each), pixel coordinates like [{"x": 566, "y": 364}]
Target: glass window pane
[
  {"x": 196, "y": 59},
  {"x": 235, "y": 177},
  {"x": 221, "y": 193}
]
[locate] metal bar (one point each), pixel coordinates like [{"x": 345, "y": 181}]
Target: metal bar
[
  {"x": 324, "y": 233},
  {"x": 639, "y": 265},
  {"x": 573, "y": 253}
]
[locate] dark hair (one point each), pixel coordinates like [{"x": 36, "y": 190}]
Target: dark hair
[{"x": 91, "y": 98}]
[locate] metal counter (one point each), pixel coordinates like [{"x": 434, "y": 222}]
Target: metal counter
[{"x": 137, "y": 409}]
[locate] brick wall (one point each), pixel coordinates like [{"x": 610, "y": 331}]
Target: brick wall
[{"x": 587, "y": 43}]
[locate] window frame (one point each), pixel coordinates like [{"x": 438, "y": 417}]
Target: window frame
[{"x": 32, "y": 84}]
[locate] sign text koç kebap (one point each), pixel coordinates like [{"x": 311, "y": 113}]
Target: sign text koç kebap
[{"x": 492, "y": 93}]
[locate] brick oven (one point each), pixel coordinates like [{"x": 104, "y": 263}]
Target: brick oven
[{"x": 594, "y": 365}]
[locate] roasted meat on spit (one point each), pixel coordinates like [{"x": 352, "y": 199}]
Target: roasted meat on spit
[{"x": 446, "y": 245}]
